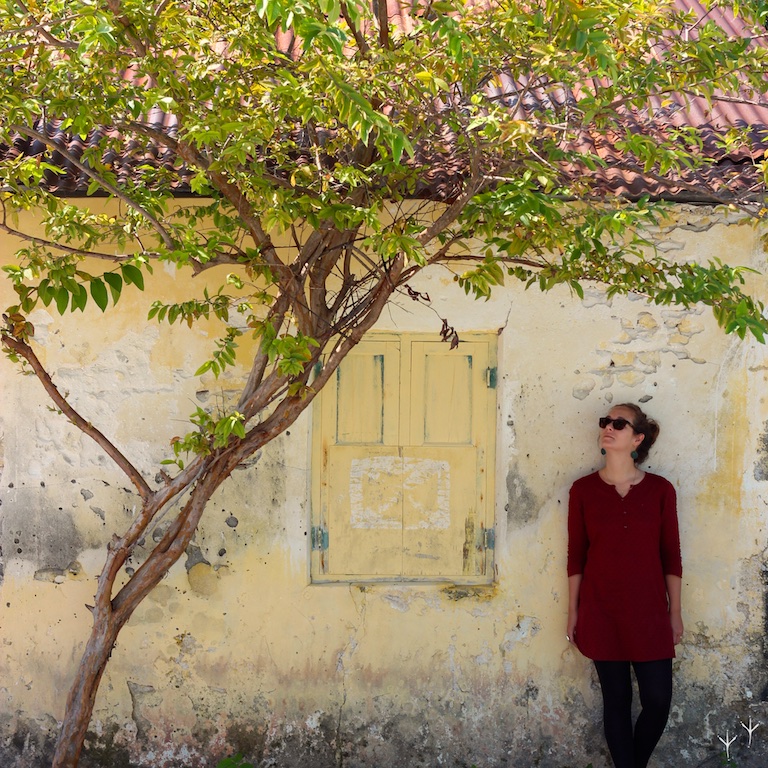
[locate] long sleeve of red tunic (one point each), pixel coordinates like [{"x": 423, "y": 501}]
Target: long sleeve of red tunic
[{"x": 623, "y": 547}]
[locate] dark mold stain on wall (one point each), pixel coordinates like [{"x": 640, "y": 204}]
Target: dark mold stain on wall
[
  {"x": 34, "y": 531},
  {"x": 764, "y": 577},
  {"x": 522, "y": 506},
  {"x": 761, "y": 465}
]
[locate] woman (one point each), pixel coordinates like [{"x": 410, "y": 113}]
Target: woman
[{"x": 624, "y": 574}]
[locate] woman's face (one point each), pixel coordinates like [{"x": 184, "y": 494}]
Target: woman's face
[{"x": 620, "y": 440}]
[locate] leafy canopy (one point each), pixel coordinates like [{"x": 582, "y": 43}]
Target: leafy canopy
[
  {"x": 315, "y": 155},
  {"x": 335, "y": 149}
]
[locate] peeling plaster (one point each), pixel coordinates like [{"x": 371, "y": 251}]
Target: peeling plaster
[
  {"x": 524, "y": 631},
  {"x": 582, "y": 389},
  {"x": 142, "y": 697},
  {"x": 236, "y": 652}
]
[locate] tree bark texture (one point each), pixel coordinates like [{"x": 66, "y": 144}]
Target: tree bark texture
[{"x": 82, "y": 694}]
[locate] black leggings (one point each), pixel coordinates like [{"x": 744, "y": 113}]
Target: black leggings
[{"x": 632, "y": 747}]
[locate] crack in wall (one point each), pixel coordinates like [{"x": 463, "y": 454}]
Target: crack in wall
[{"x": 348, "y": 651}]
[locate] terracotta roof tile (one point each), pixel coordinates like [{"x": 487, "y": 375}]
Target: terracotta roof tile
[{"x": 128, "y": 157}]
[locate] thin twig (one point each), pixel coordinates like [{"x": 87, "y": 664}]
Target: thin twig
[
  {"x": 20, "y": 347},
  {"x": 39, "y": 241}
]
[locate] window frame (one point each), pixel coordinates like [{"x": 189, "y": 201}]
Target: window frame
[{"x": 478, "y": 532}]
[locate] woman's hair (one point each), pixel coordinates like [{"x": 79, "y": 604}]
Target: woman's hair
[{"x": 645, "y": 426}]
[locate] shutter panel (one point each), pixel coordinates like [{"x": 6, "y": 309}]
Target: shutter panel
[
  {"x": 448, "y": 394},
  {"x": 365, "y": 511},
  {"x": 403, "y": 434}
]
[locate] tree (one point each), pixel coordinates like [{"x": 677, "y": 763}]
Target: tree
[{"x": 334, "y": 150}]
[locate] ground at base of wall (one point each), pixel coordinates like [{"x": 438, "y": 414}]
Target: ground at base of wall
[{"x": 400, "y": 743}]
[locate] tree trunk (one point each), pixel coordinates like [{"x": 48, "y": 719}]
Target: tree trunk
[
  {"x": 82, "y": 694},
  {"x": 111, "y": 615}
]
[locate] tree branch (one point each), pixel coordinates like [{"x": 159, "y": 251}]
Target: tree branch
[
  {"x": 362, "y": 45},
  {"x": 762, "y": 103},
  {"x": 161, "y": 6},
  {"x": 238, "y": 201},
  {"x": 20, "y": 347},
  {"x": 260, "y": 360},
  {"x": 176, "y": 538},
  {"x": 47, "y": 36},
  {"x": 450, "y": 214},
  {"x": 140, "y": 47},
  {"x": 383, "y": 18},
  {"x": 64, "y": 248},
  {"x": 113, "y": 190}
]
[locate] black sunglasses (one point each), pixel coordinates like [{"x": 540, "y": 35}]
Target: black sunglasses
[{"x": 619, "y": 423}]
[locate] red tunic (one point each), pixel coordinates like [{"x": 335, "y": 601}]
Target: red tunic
[{"x": 623, "y": 547}]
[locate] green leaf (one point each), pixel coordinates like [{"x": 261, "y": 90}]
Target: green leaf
[
  {"x": 115, "y": 283},
  {"x": 62, "y": 300},
  {"x": 99, "y": 294},
  {"x": 45, "y": 292},
  {"x": 132, "y": 274},
  {"x": 79, "y": 297}
]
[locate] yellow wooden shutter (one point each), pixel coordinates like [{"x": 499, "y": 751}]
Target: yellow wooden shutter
[{"x": 404, "y": 436}]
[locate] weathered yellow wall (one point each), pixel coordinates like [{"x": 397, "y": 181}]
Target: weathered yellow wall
[{"x": 237, "y": 651}]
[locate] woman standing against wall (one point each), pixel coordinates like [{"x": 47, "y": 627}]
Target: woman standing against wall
[{"x": 625, "y": 573}]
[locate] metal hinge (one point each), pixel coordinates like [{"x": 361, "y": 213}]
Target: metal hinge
[
  {"x": 491, "y": 375},
  {"x": 486, "y": 538},
  {"x": 319, "y": 536}
]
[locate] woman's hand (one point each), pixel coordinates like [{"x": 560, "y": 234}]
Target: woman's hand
[
  {"x": 574, "y": 585},
  {"x": 674, "y": 584},
  {"x": 676, "y": 620},
  {"x": 570, "y": 631}
]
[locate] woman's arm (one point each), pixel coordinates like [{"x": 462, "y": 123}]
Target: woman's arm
[
  {"x": 674, "y": 585},
  {"x": 574, "y": 585},
  {"x": 578, "y": 545}
]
